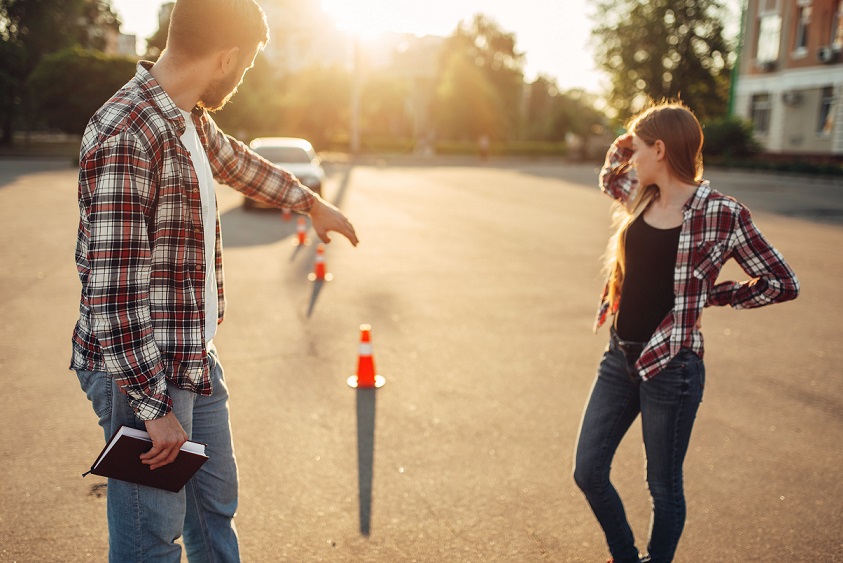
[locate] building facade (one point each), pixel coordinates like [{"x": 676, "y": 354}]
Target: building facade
[{"x": 790, "y": 75}]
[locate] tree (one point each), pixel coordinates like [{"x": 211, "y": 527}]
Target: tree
[
  {"x": 655, "y": 49},
  {"x": 316, "y": 104},
  {"x": 256, "y": 109},
  {"x": 156, "y": 43},
  {"x": 552, "y": 115},
  {"x": 384, "y": 106},
  {"x": 69, "y": 109},
  {"x": 467, "y": 105},
  {"x": 480, "y": 82},
  {"x": 31, "y": 29}
]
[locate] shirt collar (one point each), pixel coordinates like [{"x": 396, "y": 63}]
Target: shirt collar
[
  {"x": 697, "y": 202},
  {"x": 151, "y": 89}
]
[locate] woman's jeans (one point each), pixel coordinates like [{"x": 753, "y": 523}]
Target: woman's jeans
[
  {"x": 668, "y": 405},
  {"x": 143, "y": 522}
]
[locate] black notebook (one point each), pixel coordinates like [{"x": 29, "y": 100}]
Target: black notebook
[{"x": 120, "y": 459}]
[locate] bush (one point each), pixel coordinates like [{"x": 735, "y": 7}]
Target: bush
[
  {"x": 729, "y": 137},
  {"x": 69, "y": 86}
]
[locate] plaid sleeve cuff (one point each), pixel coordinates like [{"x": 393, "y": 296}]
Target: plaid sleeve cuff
[
  {"x": 617, "y": 178},
  {"x": 149, "y": 400},
  {"x": 152, "y": 406},
  {"x": 721, "y": 294}
]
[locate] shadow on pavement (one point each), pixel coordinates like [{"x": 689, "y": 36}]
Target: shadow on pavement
[
  {"x": 341, "y": 191},
  {"x": 317, "y": 288},
  {"x": 266, "y": 226},
  {"x": 254, "y": 228},
  {"x": 365, "y": 454},
  {"x": 13, "y": 168}
]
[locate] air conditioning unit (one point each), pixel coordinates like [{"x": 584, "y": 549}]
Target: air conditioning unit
[
  {"x": 827, "y": 55},
  {"x": 792, "y": 98}
]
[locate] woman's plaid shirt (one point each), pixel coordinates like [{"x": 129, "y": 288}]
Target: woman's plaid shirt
[
  {"x": 140, "y": 250},
  {"x": 715, "y": 228}
]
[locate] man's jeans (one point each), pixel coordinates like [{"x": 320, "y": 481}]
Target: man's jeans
[
  {"x": 668, "y": 405},
  {"x": 143, "y": 522}
]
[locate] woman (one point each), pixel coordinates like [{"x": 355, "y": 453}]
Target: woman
[{"x": 674, "y": 234}]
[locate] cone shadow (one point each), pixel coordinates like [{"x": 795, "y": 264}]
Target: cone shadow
[
  {"x": 340, "y": 195},
  {"x": 317, "y": 288},
  {"x": 365, "y": 454},
  {"x": 296, "y": 249}
]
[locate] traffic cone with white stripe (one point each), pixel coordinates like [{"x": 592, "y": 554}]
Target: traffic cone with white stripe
[
  {"x": 319, "y": 268},
  {"x": 286, "y": 214},
  {"x": 366, "y": 378},
  {"x": 301, "y": 233}
]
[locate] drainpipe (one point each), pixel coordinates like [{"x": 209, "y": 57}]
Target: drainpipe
[{"x": 735, "y": 68}]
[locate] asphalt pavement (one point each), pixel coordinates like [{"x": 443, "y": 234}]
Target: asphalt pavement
[{"x": 480, "y": 282}]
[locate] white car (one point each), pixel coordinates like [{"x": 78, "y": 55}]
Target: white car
[{"x": 294, "y": 155}]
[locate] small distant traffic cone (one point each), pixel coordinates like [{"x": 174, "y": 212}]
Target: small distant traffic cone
[
  {"x": 319, "y": 273},
  {"x": 301, "y": 233},
  {"x": 286, "y": 214},
  {"x": 366, "y": 378}
]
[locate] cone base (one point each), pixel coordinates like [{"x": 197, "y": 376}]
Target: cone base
[
  {"x": 379, "y": 382},
  {"x": 312, "y": 277}
]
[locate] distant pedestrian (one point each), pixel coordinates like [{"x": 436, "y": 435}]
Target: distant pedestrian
[
  {"x": 149, "y": 257},
  {"x": 483, "y": 146},
  {"x": 674, "y": 234}
]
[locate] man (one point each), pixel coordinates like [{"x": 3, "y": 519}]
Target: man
[{"x": 149, "y": 258}]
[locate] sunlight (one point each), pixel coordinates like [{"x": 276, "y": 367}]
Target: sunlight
[
  {"x": 369, "y": 19},
  {"x": 366, "y": 20}
]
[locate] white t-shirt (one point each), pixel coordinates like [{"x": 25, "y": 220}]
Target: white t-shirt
[{"x": 190, "y": 139}]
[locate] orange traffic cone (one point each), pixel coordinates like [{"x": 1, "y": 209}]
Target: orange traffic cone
[
  {"x": 365, "y": 378},
  {"x": 301, "y": 233},
  {"x": 319, "y": 273},
  {"x": 286, "y": 214}
]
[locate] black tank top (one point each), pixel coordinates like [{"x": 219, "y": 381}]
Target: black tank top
[{"x": 647, "y": 292}]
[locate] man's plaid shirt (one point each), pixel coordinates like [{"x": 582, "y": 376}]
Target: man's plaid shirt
[
  {"x": 140, "y": 250},
  {"x": 715, "y": 228}
]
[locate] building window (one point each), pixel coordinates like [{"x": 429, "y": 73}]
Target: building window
[
  {"x": 828, "y": 107},
  {"x": 760, "y": 112},
  {"x": 769, "y": 35},
  {"x": 803, "y": 24}
]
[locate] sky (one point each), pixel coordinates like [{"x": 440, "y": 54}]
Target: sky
[{"x": 553, "y": 34}]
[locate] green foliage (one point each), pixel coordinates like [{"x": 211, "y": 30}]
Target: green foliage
[
  {"x": 383, "y": 107},
  {"x": 467, "y": 104},
  {"x": 553, "y": 115},
  {"x": 316, "y": 106},
  {"x": 729, "y": 137},
  {"x": 255, "y": 111},
  {"x": 659, "y": 49},
  {"x": 511, "y": 148},
  {"x": 31, "y": 29},
  {"x": 12, "y": 62},
  {"x": 67, "y": 87},
  {"x": 480, "y": 82}
]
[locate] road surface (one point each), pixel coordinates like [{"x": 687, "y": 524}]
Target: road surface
[{"x": 480, "y": 283}]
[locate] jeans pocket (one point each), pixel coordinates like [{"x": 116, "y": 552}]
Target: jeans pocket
[{"x": 97, "y": 386}]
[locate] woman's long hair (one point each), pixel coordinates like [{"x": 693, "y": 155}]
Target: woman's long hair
[{"x": 677, "y": 127}]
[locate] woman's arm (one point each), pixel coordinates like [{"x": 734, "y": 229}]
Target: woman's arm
[{"x": 773, "y": 280}]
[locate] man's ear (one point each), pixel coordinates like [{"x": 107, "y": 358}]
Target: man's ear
[{"x": 228, "y": 60}]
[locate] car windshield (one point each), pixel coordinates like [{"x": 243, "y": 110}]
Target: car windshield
[{"x": 288, "y": 155}]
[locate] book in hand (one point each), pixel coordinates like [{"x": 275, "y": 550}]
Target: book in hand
[{"x": 120, "y": 459}]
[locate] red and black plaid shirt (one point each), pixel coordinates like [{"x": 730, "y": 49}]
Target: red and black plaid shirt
[
  {"x": 140, "y": 250},
  {"x": 715, "y": 228}
]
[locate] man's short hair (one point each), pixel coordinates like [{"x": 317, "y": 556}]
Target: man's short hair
[{"x": 200, "y": 27}]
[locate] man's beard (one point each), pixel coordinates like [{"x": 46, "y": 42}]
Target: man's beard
[{"x": 218, "y": 93}]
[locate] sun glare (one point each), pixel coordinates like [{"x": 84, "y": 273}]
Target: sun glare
[{"x": 373, "y": 18}]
